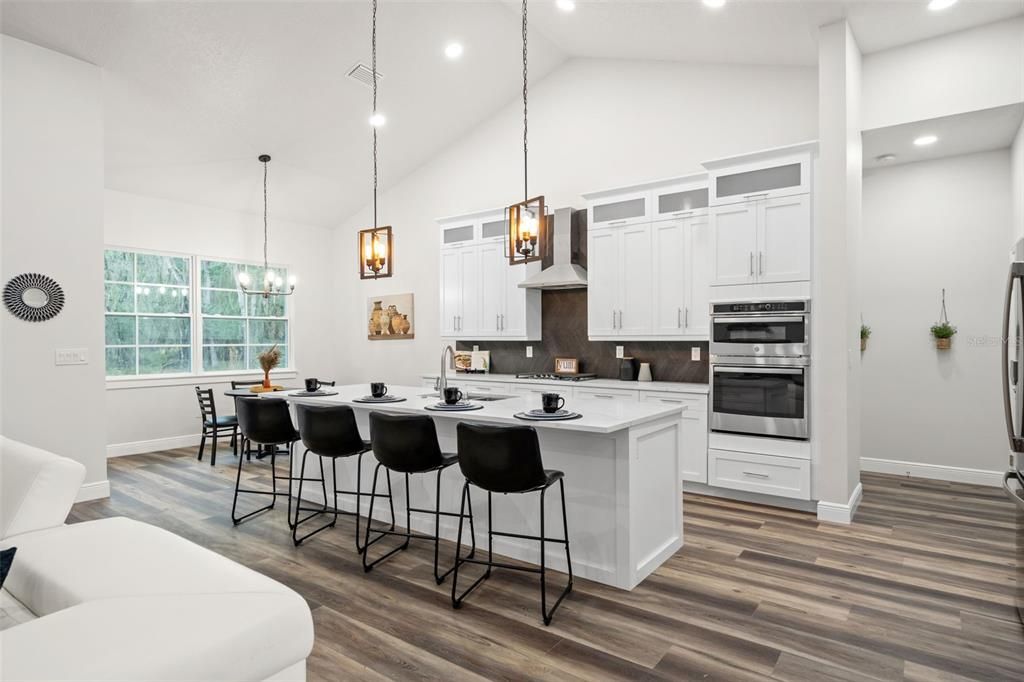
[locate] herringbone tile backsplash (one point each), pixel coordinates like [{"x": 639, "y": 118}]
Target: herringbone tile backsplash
[{"x": 564, "y": 326}]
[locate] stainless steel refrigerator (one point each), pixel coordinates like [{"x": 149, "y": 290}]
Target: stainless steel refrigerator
[{"x": 1013, "y": 403}]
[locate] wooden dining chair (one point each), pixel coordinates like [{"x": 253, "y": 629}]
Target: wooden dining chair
[{"x": 214, "y": 427}]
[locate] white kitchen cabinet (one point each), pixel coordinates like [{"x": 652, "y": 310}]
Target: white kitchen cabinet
[
  {"x": 681, "y": 293},
  {"x": 758, "y": 473},
  {"x": 480, "y": 296},
  {"x": 784, "y": 238},
  {"x": 697, "y": 314},
  {"x": 619, "y": 297},
  {"x": 779, "y": 172},
  {"x": 620, "y": 208},
  {"x": 762, "y": 241},
  {"x": 668, "y": 241},
  {"x": 693, "y": 448},
  {"x": 733, "y": 243},
  {"x": 603, "y": 259}
]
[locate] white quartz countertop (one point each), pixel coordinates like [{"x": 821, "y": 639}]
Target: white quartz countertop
[
  {"x": 599, "y": 415},
  {"x": 671, "y": 386}
]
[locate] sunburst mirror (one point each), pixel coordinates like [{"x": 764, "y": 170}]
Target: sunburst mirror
[{"x": 33, "y": 297}]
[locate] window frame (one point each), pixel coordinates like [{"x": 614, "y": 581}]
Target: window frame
[{"x": 124, "y": 381}]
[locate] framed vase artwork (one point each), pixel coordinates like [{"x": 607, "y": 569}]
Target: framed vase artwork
[{"x": 390, "y": 317}]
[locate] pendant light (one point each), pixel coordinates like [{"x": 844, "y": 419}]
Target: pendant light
[
  {"x": 376, "y": 244},
  {"x": 273, "y": 285},
  {"x": 527, "y": 224}
]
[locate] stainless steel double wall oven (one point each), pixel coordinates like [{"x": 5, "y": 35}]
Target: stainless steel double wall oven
[{"x": 760, "y": 368}]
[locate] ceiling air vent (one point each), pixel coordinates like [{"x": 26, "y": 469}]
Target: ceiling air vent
[{"x": 364, "y": 74}]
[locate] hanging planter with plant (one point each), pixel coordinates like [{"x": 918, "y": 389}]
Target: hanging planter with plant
[
  {"x": 942, "y": 330},
  {"x": 865, "y": 332}
]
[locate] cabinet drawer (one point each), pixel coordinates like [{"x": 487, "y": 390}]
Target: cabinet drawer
[
  {"x": 765, "y": 474},
  {"x": 480, "y": 386},
  {"x": 696, "y": 404},
  {"x": 606, "y": 393}
]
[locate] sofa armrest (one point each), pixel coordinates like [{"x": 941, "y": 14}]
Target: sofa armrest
[{"x": 37, "y": 488}]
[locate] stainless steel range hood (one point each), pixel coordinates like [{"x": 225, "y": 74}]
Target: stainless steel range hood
[{"x": 564, "y": 272}]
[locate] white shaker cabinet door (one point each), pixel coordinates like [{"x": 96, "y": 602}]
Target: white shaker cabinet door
[
  {"x": 733, "y": 243},
  {"x": 451, "y": 290},
  {"x": 785, "y": 240},
  {"x": 698, "y": 262},
  {"x": 636, "y": 306},
  {"x": 469, "y": 320},
  {"x": 492, "y": 287},
  {"x": 603, "y": 257},
  {"x": 670, "y": 277}
]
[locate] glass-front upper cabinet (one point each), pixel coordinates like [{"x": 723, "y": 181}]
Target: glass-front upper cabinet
[
  {"x": 455, "y": 235},
  {"x": 684, "y": 197},
  {"x": 619, "y": 208},
  {"x": 763, "y": 175}
]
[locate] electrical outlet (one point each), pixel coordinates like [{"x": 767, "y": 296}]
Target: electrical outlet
[
  {"x": 695, "y": 353},
  {"x": 476, "y": 348},
  {"x": 71, "y": 356},
  {"x": 529, "y": 351},
  {"x": 620, "y": 352}
]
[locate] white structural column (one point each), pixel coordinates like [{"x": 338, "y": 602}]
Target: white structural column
[{"x": 836, "y": 299}]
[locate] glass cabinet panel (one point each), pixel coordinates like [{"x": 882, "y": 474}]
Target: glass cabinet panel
[
  {"x": 760, "y": 180},
  {"x": 494, "y": 228},
  {"x": 620, "y": 210},
  {"x": 683, "y": 201},
  {"x": 454, "y": 235}
]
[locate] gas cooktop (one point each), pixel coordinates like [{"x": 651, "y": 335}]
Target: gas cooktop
[{"x": 558, "y": 377}]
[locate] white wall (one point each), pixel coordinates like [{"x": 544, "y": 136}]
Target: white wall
[
  {"x": 931, "y": 225},
  {"x": 1017, "y": 180},
  {"x": 970, "y": 70},
  {"x": 594, "y": 124},
  {"x": 53, "y": 224},
  {"x": 169, "y": 414},
  {"x": 835, "y": 371}
]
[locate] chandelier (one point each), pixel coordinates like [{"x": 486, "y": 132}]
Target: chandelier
[{"x": 273, "y": 284}]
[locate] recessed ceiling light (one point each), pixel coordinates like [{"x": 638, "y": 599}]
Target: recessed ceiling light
[
  {"x": 926, "y": 140},
  {"x": 714, "y": 4},
  {"x": 566, "y": 5},
  {"x": 939, "y": 5},
  {"x": 885, "y": 158},
  {"x": 453, "y": 50},
  {"x": 378, "y": 119}
]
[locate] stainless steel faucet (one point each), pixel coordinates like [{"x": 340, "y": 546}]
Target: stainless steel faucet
[{"x": 442, "y": 379}]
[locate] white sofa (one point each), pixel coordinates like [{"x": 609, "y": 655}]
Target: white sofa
[{"x": 117, "y": 599}]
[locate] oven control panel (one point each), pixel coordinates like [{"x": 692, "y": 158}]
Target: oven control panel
[{"x": 760, "y": 307}]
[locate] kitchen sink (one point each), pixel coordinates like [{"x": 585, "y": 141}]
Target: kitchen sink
[{"x": 479, "y": 397}]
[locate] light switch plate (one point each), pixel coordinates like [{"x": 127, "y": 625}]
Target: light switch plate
[
  {"x": 695, "y": 353},
  {"x": 620, "y": 352},
  {"x": 529, "y": 351},
  {"x": 71, "y": 356}
]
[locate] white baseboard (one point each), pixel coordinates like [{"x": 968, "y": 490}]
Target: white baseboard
[
  {"x": 935, "y": 471},
  {"x": 93, "y": 491},
  {"x": 139, "y": 447},
  {"x": 834, "y": 512}
]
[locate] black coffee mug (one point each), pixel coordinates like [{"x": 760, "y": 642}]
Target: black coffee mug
[
  {"x": 452, "y": 395},
  {"x": 378, "y": 389},
  {"x": 312, "y": 385},
  {"x": 552, "y": 402}
]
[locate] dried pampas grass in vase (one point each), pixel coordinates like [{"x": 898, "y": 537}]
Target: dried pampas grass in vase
[{"x": 269, "y": 359}]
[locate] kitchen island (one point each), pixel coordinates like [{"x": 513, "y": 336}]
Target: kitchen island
[{"x": 621, "y": 471}]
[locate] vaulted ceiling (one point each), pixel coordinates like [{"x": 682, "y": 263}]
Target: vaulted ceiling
[{"x": 195, "y": 91}]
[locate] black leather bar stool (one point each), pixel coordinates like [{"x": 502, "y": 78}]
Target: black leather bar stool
[
  {"x": 407, "y": 444},
  {"x": 507, "y": 459},
  {"x": 331, "y": 432},
  {"x": 267, "y": 423}
]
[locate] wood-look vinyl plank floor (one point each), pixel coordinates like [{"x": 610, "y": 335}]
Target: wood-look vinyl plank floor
[{"x": 919, "y": 587}]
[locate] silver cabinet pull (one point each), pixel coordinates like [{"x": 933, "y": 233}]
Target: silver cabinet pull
[
  {"x": 602, "y": 395},
  {"x": 613, "y": 320},
  {"x": 687, "y": 318},
  {"x": 751, "y": 263},
  {"x": 670, "y": 400},
  {"x": 502, "y": 322},
  {"x": 679, "y": 318},
  {"x": 754, "y": 474},
  {"x": 682, "y": 213},
  {"x": 760, "y": 262},
  {"x": 618, "y": 222},
  {"x": 758, "y": 195}
]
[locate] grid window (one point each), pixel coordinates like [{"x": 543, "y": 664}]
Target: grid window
[
  {"x": 147, "y": 314},
  {"x": 235, "y": 327}
]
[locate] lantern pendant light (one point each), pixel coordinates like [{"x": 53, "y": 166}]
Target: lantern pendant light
[
  {"x": 272, "y": 285},
  {"x": 526, "y": 220},
  {"x": 376, "y": 244}
]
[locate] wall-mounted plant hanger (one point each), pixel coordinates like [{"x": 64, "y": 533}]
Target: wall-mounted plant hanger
[
  {"x": 942, "y": 330},
  {"x": 865, "y": 333}
]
